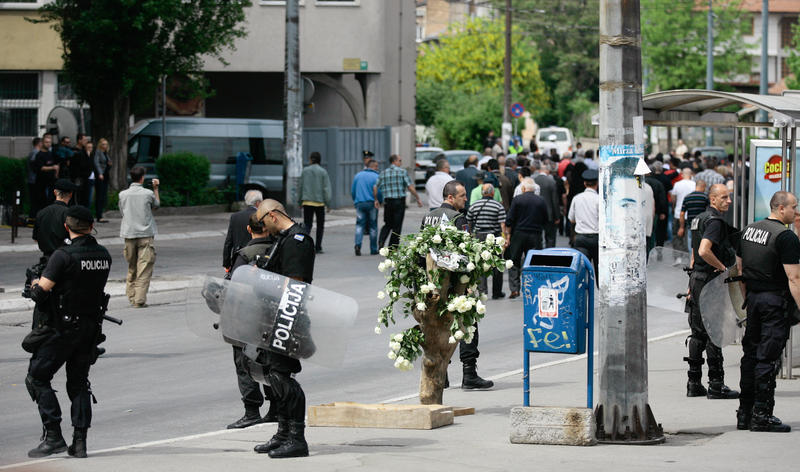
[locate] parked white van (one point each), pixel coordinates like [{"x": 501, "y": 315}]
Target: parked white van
[
  {"x": 554, "y": 137},
  {"x": 220, "y": 140}
]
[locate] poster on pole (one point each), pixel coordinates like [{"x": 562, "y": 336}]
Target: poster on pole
[{"x": 765, "y": 178}]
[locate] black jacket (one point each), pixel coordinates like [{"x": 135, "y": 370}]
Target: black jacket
[{"x": 237, "y": 236}]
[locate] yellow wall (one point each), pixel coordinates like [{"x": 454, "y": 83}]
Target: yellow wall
[{"x": 27, "y": 46}]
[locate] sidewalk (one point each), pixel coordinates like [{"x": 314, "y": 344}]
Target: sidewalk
[{"x": 700, "y": 433}]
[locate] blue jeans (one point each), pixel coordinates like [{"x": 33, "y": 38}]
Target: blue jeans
[{"x": 367, "y": 221}]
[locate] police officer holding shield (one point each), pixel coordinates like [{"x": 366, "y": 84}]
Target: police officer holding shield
[
  {"x": 70, "y": 295},
  {"x": 712, "y": 253},
  {"x": 291, "y": 256},
  {"x": 769, "y": 258}
]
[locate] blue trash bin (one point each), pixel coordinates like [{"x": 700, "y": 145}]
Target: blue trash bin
[{"x": 558, "y": 303}]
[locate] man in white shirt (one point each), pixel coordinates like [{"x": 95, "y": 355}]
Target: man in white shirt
[
  {"x": 584, "y": 213},
  {"x": 435, "y": 185},
  {"x": 683, "y": 187},
  {"x": 138, "y": 228}
]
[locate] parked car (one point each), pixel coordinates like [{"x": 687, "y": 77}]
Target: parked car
[
  {"x": 425, "y": 167},
  {"x": 717, "y": 152},
  {"x": 554, "y": 137},
  {"x": 456, "y": 158}
]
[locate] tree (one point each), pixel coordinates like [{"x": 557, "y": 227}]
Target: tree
[
  {"x": 674, "y": 36},
  {"x": 565, "y": 34},
  {"x": 115, "y": 51},
  {"x": 793, "y": 61},
  {"x": 467, "y": 64}
]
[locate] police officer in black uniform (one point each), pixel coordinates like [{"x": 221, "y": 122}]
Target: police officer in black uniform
[
  {"x": 769, "y": 257},
  {"x": 455, "y": 198},
  {"x": 254, "y": 252},
  {"x": 71, "y": 300},
  {"x": 49, "y": 231},
  {"x": 712, "y": 253},
  {"x": 292, "y": 256}
]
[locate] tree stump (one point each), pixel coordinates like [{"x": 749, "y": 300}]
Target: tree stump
[{"x": 437, "y": 349}]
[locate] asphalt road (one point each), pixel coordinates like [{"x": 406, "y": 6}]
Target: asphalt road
[{"x": 160, "y": 380}]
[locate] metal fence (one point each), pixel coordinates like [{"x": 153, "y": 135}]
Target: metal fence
[{"x": 341, "y": 150}]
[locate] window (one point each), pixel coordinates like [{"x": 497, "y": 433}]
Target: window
[
  {"x": 19, "y": 85},
  {"x": 18, "y": 121},
  {"x": 19, "y": 103},
  {"x": 786, "y": 31},
  {"x": 21, "y": 4},
  {"x": 342, "y": 3}
]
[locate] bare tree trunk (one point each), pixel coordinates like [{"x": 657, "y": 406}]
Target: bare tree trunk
[
  {"x": 110, "y": 120},
  {"x": 437, "y": 349}
]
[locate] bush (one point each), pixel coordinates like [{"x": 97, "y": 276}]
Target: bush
[
  {"x": 13, "y": 175},
  {"x": 183, "y": 172}
]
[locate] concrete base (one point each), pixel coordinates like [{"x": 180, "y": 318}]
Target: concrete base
[{"x": 553, "y": 425}]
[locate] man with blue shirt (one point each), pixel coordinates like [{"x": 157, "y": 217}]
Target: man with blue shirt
[{"x": 364, "y": 200}]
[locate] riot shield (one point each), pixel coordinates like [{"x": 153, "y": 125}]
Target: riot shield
[
  {"x": 286, "y": 316},
  {"x": 666, "y": 278},
  {"x": 203, "y": 305},
  {"x": 721, "y": 307}
]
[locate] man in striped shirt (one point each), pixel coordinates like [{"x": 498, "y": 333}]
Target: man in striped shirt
[
  {"x": 693, "y": 204},
  {"x": 487, "y": 216},
  {"x": 393, "y": 183}
]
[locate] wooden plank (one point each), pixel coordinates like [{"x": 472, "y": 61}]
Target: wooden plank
[
  {"x": 463, "y": 410},
  {"x": 360, "y": 415}
]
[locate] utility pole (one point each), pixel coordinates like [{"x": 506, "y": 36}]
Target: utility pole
[
  {"x": 293, "y": 100},
  {"x": 623, "y": 414},
  {"x": 762, "y": 86},
  {"x": 710, "y": 64},
  {"x": 506, "y": 128}
]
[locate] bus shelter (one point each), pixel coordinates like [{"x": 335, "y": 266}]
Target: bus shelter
[{"x": 716, "y": 109}]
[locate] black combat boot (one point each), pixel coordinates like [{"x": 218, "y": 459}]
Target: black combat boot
[
  {"x": 717, "y": 390},
  {"x": 762, "y": 411},
  {"x": 295, "y": 445},
  {"x": 52, "y": 442},
  {"x": 78, "y": 446},
  {"x": 694, "y": 387},
  {"x": 472, "y": 381},
  {"x": 251, "y": 417},
  {"x": 280, "y": 436},
  {"x": 744, "y": 416}
]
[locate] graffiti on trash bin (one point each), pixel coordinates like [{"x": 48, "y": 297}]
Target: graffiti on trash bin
[
  {"x": 550, "y": 339},
  {"x": 532, "y": 298}
]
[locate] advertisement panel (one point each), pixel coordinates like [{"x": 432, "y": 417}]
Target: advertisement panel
[{"x": 766, "y": 175}]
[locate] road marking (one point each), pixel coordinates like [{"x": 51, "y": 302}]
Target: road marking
[{"x": 259, "y": 426}]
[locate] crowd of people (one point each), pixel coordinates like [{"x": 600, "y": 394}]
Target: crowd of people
[{"x": 86, "y": 164}]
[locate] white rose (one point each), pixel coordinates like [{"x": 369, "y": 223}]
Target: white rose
[
  {"x": 389, "y": 263},
  {"x": 398, "y": 337},
  {"x": 490, "y": 238},
  {"x": 394, "y": 346},
  {"x": 462, "y": 246},
  {"x": 419, "y": 239},
  {"x": 500, "y": 241},
  {"x": 486, "y": 267},
  {"x": 451, "y": 307},
  {"x": 484, "y": 297},
  {"x": 394, "y": 294},
  {"x": 464, "y": 279},
  {"x": 381, "y": 295},
  {"x": 407, "y": 364},
  {"x": 468, "y": 339},
  {"x": 377, "y": 330},
  {"x": 458, "y": 334},
  {"x": 470, "y": 267},
  {"x": 391, "y": 355},
  {"x": 480, "y": 308},
  {"x": 486, "y": 255},
  {"x": 382, "y": 267},
  {"x": 424, "y": 288},
  {"x": 436, "y": 239},
  {"x": 451, "y": 340},
  {"x": 421, "y": 306},
  {"x": 471, "y": 329},
  {"x": 384, "y": 252},
  {"x": 509, "y": 263}
]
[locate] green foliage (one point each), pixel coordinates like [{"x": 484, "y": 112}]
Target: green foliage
[
  {"x": 183, "y": 172},
  {"x": 13, "y": 174},
  {"x": 793, "y": 61},
  {"x": 466, "y": 66},
  {"x": 674, "y": 35},
  {"x": 565, "y": 33},
  {"x": 113, "y": 200},
  {"x": 461, "y": 120},
  {"x": 414, "y": 289}
]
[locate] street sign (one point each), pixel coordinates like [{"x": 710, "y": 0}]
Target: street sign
[{"x": 517, "y": 110}]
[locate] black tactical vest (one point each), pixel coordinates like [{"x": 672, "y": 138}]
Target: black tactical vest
[
  {"x": 762, "y": 268},
  {"x": 81, "y": 290},
  {"x": 724, "y": 250},
  {"x": 435, "y": 217}
]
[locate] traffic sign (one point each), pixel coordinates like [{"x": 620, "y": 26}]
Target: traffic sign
[{"x": 517, "y": 110}]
